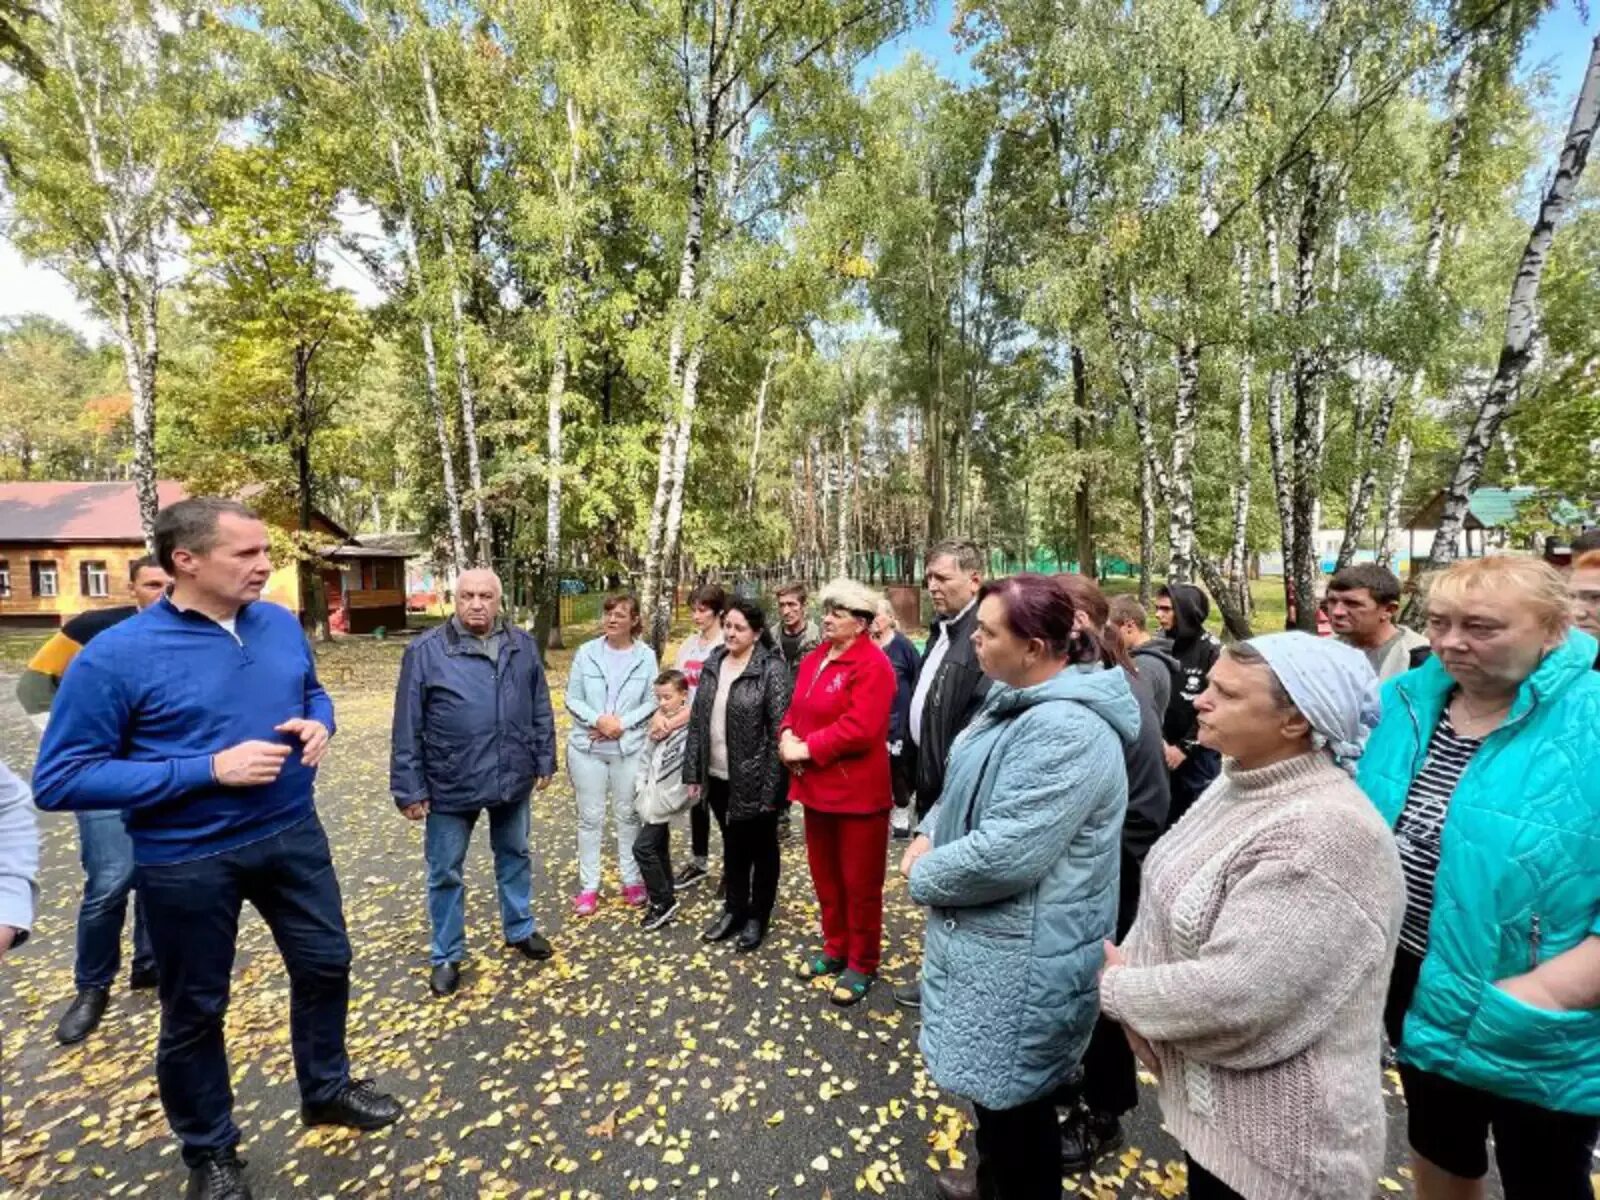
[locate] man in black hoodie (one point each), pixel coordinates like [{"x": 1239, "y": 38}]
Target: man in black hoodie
[{"x": 1182, "y": 610}]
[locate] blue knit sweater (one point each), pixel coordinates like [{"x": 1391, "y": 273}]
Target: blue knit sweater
[{"x": 146, "y": 704}]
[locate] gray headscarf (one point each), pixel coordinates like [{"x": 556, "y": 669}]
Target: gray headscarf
[{"x": 1333, "y": 686}]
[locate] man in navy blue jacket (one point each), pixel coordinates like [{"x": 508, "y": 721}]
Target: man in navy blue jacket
[
  {"x": 473, "y": 730},
  {"x": 202, "y": 720}
]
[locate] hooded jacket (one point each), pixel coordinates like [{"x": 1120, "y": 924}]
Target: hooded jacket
[
  {"x": 1196, "y": 653},
  {"x": 1160, "y": 670},
  {"x": 1516, "y": 885},
  {"x": 1021, "y": 885},
  {"x": 757, "y": 701}
]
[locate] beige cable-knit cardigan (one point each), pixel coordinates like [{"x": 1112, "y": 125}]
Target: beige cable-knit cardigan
[{"x": 1258, "y": 967}]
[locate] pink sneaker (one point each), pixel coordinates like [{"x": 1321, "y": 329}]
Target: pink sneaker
[
  {"x": 636, "y": 894},
  {"x": 585, "y": 903}
]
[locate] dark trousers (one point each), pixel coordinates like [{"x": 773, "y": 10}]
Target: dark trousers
[
  {"x": 750, "y": 865},
  {"x": 652, "y": 851},
  {"x": 1019, "y": 1151},
  {"x": 194, "y": 909},
  {"x": 1110, "y": 1072},
  {"x": 1196, "y": 774},
  {"x": 1203, "y": 1185},
  {"x": 700, "y": 818},
  {"x": 1542, "y": 1155}
]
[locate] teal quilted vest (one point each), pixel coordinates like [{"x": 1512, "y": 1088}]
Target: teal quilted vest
[{"x": 1518, "y": 882}]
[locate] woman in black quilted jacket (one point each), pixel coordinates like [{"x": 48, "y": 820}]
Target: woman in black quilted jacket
[{"x": 733, "y": 756}]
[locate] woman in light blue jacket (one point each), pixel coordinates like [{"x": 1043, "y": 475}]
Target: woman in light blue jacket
[
  {"x": 1017, "y": 865},
  {"x": 609, "y": 696}
]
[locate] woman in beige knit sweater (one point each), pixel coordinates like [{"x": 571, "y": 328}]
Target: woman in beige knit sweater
[{"x": 1252, "y": 983}]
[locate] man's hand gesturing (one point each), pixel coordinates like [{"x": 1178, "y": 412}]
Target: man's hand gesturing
[
  {"x": 313, "y": 737},
  {"x": 249, "y": 764}
]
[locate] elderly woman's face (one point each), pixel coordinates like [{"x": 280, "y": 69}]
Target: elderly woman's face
[
  {"x": 1489, "y": 641},
  {"x": 1240, "y": 713},
  {"x": 841, "y": 627}
]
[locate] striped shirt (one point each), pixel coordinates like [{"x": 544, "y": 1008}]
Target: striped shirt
[{"x": 1421, "y": 825}]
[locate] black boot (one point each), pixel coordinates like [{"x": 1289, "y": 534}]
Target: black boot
[
  {"x": 359, "y": 1105},
  {"x": 721, "y": 929},
  {"x": 750, "y": 936},
  {"x": 535, "y": 946},
  {"x": 1086, "y": 1137},
  {"x": 143, "y": 978},
  {"x": 220, "y": 1177},
  {"x": 82, "y": 1016},
  {"x": 444, "y": 979}
]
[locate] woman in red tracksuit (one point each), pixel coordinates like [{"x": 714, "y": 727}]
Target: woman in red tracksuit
[{"x": 834, "y": 740}]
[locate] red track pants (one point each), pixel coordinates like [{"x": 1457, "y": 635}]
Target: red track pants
[{"x": 847, "y": 855}]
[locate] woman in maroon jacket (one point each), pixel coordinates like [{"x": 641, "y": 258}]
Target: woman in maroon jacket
[{"x": 834, "y": 740}]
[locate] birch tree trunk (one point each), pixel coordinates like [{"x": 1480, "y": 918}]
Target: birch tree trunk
[
  {"x": 482, "y": 550},
  {"x": 1238, "y": 546},
  {"x": 1180, "y": 524},
  {"x": 430, "y": 362},
  {"x": 1082, "y": 500},
  {"x": 841, "y": 510},
  {"x": 1151, "y": 475},
  {"x": 755, "y": 443},
  {"x": 566, "y": 312},
  {"x": 1521, "y": 314},
  {"x": 1384, "y": 550},
  {"x": 1306, "y": 383}
]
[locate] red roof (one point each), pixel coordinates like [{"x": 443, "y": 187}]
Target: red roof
[{"x": 76, "y": 512}]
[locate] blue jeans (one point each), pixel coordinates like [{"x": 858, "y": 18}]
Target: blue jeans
[
  {"x": 445, "y": 845},
  {"x": 194, "y": 925},
  {"x": 595, "y": 779},
  {"x": 107, "y": 854}
]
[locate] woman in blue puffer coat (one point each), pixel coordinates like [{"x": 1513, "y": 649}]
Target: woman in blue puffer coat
[{"x": 1017, "y": 865}]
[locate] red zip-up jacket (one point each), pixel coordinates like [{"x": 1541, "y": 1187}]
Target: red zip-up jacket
[{"x": 841, "y": 711}]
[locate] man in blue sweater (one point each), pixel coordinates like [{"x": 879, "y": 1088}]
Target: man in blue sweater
[{"x": 202, "y": 720}]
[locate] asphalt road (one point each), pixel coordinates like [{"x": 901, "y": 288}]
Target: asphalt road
[{"x": 630, "y": 1064}]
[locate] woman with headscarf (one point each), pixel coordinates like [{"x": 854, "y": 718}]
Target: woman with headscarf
[
  {"x": 1253, "y": 980},
  {"x": 835, "y": 742}
]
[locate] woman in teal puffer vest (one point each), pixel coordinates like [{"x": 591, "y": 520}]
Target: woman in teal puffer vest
[
  {"x": 1017, "y": 865},
  {"x": 1487, "y": 764}
]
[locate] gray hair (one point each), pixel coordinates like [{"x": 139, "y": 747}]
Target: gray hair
[
  {"x": 967, "y": 556},
  {"x": 192, "y": 525}
]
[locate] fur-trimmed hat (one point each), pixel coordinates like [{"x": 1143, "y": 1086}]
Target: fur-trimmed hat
[{"x": 855, "y": 598}]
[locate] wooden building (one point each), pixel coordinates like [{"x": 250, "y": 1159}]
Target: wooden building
[{"x": 65, "y": 548}]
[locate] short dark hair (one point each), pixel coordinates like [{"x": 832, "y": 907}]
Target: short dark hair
[
  {"x": 968, "y": 557},
  {"x": 709, "y": 595},
  {"x": 754, "y": 615},
  {"x": 673, "y": 678},
  {"x": 1127, "y": 608},
  {"x": 795, "y": 589},
  {"x": 192, "y": 525},
  {"x": 1383, "y": 583},
  {"x": 140, "y": 563}
]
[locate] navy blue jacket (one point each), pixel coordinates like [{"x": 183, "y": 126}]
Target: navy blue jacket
[
  {"x": 146, "y": 704},
  {"x": 907, "y": 662},
  {"x": 470, "y": 733}
]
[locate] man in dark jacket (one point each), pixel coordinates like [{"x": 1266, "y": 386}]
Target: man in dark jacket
[
  {"x": 1151, "y": 655},
  {"x": 950, "y": 686},
  {"x": 1182, "y": 610},
  {"x": 473, "y": 730}
]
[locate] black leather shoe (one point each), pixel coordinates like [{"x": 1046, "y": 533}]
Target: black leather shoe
[
  {"x": 142, "y": 979},
  {"x": 220, "y": 1177},
  {"x": 721, "y": 929},
  {"x": 359, "y": 1106},
  {"x": 444, "y": 980},
  {"x": 82, "y": 1016},
  {"x": 1086, "y": 1137},
  {"x": 909, "y": 995},
  {"x": 953, "y": 1184},
  {"x": 535, "y": 946},
  {"x": 750, "y": 936}
]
